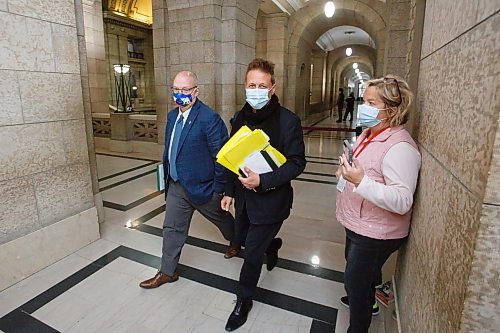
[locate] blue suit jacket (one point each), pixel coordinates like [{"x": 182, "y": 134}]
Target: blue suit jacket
[{"x": 203, "y": 134}]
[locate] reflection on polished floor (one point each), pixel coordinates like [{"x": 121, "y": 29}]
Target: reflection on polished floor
[{"x": 96, "y": 289}]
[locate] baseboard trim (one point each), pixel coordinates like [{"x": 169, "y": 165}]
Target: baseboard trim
[{"x": 33, "y": 252}]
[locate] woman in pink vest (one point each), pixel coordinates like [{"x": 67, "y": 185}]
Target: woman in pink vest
[{"x": 375, "y": 193}]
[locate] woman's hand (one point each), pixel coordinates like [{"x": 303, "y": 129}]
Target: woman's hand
[
  {"x": 338, "y": 173},
  {"x": 226, "y": 202},
  {"x": 352, "y": 173}
]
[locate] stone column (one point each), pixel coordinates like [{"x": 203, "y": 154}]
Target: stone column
[
  {"x": 45, "y": 178},
  {"x": 96, "y": 55},
  {"x": 396, "y": 47},
  {"x": 318, "y": 59},
  {"x": 238, "y": 49},
  {"x": 94, "y": 88},
  {"x": 161, "y": 50},
  {"x": 277, "y": 29}
]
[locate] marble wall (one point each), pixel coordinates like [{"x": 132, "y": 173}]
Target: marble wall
[
  {"x": 447, "y": 276},
  {"x": 213, "y": 38},
  {"x": 44, "y": 162}
]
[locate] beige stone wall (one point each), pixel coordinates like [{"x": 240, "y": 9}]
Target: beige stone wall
[
  {"x": 318, "y": 60},
  {"x": 396, "y": 47},
  {"x": 451, "y": 257},
  {"x": 98, "y": 72},
  {"x": 44, "y": 163},
  {"x": 215, "y": 39}
]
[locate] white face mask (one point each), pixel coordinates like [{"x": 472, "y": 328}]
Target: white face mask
[
  {"x": 257, "y": 98},
  {"x": 367, "y": 115}
]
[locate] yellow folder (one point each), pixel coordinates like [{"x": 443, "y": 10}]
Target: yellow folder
[{"x": 247, "y": 148}]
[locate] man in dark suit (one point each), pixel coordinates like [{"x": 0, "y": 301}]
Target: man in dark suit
[
  {"x": 340, "y": 104},
  {"x": 193, "y": 180},
  {"x": 262, "y": 201}
]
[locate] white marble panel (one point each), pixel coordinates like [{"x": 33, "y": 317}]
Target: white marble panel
[
  {"x": 272, "y": 320},
  {"x": 18, "y": 211},
  {"x": 96, "y": 249},
  {"x": 11, "y": 112},
  {"x": 26, "y": 255},
  {"x": 108, "y": 165},
  {"x": 3, "y": 5},
  {"x": 65, "y": 45},
  {"x": 58, "y": 11},
  {"x": 30, "y": 148},
  {"x": 26, "y": 44},
  {"x": 127, "y": 175},
  {"x": 30, "y": 287},
  {"x": 75, "y": 141},
  {"x": 129, "y": 192},
  {"x": 303, "y": 286},
  {"x": 63, "y": 101},
  {"x": 64, "y": 311},
  {"x": 63, "y": 191}
]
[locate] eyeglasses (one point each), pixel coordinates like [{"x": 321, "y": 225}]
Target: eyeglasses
[
  {"x": 185, "y": 91},
  {"x": 391, "y": 80}
]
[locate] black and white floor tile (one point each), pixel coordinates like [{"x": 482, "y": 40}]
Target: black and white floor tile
[{"x": 96, "y": 289}]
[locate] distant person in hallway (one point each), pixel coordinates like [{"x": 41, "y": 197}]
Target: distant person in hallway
[
  {"x": 193, "y": 180},
  {"x": 349, "y": 109},
  {"x": 262, "y": 201},
  {"x": 340, "y": 104},
  {"x": 375, "y": 193}
]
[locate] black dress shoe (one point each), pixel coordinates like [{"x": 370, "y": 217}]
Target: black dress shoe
[
  {"x": 239, "y": 315},
  {"x": 272, "y": 253}
]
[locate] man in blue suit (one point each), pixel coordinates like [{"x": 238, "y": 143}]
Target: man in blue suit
[{"x": 193, "y": 180}]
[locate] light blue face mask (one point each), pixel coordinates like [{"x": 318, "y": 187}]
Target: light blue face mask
[
  {"x": 257, "y": 98},
  {"x": 367, "y": 115}
]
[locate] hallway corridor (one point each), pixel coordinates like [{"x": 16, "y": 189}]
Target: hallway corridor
[{"x": 96, "y": 289}]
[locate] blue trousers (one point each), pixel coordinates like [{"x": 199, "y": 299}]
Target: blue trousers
[{"x": 365, "y": 257}]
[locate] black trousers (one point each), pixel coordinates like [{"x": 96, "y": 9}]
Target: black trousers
[
  {"x": 257, "y": 241},
  {"x": 348, "y": 112},
  {"x": 340, "y": 107},
  {"x": 365, "y": 257}
]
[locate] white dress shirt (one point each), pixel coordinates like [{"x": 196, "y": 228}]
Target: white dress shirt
[{"x": 185, "y": 115}]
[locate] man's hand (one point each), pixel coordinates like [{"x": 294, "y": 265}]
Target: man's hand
[
  {"x": 226, "y": 202},
  {"x": 252, "y": 181}
]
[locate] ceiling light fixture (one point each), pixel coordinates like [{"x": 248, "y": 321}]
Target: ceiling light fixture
[{"x": 329, "y": 9}]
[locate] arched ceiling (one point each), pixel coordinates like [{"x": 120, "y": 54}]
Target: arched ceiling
[
  {"x": 344, "y": 35},
  {"x": 139, "y": 10},
  {"x": 292, "y": 6},
  {"x": 310, "y": 21}
]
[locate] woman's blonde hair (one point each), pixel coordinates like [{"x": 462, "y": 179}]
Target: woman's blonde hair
[{"x": 396, "y": 95}]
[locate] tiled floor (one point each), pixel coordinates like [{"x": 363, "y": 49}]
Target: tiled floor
[{"x": 96, "y": 289}]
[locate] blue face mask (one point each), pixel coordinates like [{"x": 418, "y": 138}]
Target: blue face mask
[
  {"x": 367, "y": 115},
  {"x": 182, "y": 99},
  {"x": 257, "y": 98}
]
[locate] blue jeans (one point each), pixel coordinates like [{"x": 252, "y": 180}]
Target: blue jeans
[{"x": 365, "y": 257}]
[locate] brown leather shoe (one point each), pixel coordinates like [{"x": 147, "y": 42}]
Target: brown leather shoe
[
  {"x": 158, "y": 280},
  {"x": 232, "y": 251}
]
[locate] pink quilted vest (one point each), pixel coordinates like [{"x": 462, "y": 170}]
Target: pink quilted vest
[{"x": 362, "y": 216}]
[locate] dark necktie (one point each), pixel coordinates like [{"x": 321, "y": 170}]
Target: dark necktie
[{"x": 175, "y": 147}]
